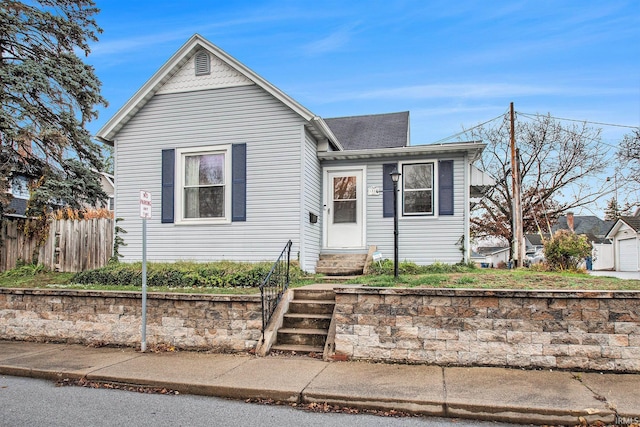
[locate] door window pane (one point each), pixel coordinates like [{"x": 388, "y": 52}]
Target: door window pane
[
  {"x": 344, "y": 188},
  {"x": 344, "y": 199},
  {"x": 344, "y": 211}
]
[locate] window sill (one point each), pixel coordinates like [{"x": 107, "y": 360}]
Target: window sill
[{"x": 203, "y": 221}]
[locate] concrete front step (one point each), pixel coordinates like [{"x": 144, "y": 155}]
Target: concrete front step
[
  {"x": 314, "y": 294},
  {"x": 311, "y": 306},
  {"x": 295, "y": 336},
  {"x": 343, "y": 257},
  {"x": 341, "y": 264},
  {"x": 298, "y": 348},
  {"x": 306, "y": 321},
  {"x": 305, "y": 326},
  {"x": 340, "y": 271}
]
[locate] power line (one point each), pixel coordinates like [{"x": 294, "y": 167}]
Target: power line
[
  {"x": 583, "y": 121},
  {"x": 538, "y": 117},
  {"x": 471, "y": 128}
]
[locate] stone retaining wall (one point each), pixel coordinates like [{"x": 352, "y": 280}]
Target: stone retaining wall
[
  {"x": 223, "y": 323},
  {"x": 546, "y": 329}
]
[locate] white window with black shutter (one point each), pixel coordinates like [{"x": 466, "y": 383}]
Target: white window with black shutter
[
  {"x": 426, "y": 189},
  {"x": 418, "y": 189},
  {"x": 204, "y": 185}
]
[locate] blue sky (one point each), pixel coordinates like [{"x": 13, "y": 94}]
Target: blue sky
[{"x": 451, "y": 64}]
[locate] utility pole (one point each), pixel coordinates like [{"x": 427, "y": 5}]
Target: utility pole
[{"x": 518, "y": 234}]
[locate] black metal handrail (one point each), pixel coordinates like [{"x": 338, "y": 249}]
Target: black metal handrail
[{"x": 275, "y": 285}]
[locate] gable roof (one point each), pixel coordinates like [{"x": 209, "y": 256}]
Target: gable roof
[
  {"x": 535, "y": 239},
  {"x": 371, "y": 131},
  {"x": 632, "y": 221},
  {"x": 316, "y": 125},
  {"x": 587, "y": 224}
]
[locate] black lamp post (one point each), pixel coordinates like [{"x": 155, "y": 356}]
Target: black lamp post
[{"x": 395, "y": 176}]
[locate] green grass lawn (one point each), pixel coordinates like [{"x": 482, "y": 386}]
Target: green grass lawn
[
  {"x": 36, "y": 277},
  {"x": 502, "y": 279}
]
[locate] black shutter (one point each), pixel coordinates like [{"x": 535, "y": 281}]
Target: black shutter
[
  {"x": 387, "y": 189},
  {"x": 445, "y": 187},
  {"x": 168, "y": 177},
  {"x": 239, "y": 182}
]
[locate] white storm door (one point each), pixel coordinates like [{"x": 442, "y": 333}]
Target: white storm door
[{"x": 344, "y": 209}]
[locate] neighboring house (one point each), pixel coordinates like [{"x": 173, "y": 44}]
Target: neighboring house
[
  {"x": 596, "y": 229},
  {"x": 593, "y": 227},
  {"x": 236, "y": 168},
  {"x": 20, "y": 194},
  {"x": 626, "y": 243},
  {"x": 19, "y": 190},
  {"x": 491, "y": 256},
  {"x": 535, "y": 242},
  {"x": 108, "y": 186}
]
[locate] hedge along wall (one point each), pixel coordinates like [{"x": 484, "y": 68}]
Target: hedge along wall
[
  {"x": 223, "y": 323},
  {"x": 546, "y": 329}
]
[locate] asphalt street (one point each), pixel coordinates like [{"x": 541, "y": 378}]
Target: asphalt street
[{"x": 34, "y": 402}]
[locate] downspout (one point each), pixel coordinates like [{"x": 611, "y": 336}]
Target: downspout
[{"x": 466, "y": 212}]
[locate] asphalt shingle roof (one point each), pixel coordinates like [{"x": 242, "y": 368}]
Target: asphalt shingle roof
[
  {"x": 371, "y": 131},
  {"x": 632, "y": 221},
  {"x": 587, "y": 224}
]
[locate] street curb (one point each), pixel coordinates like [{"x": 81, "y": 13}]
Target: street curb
[
  {"x": 538, "y": 416},
  {"x": 224, "y": 392}
]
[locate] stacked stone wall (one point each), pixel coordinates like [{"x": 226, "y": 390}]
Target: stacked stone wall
[
  {"x": 549, "y": 329},
  {"x": 196, "y": 322}
]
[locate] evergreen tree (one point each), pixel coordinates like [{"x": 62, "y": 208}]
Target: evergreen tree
[
  {"x": 612, "y": 211},
  {"x": 47, "y": 96}
]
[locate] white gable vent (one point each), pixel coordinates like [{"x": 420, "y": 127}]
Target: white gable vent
[{"x": 202, "y": 63}]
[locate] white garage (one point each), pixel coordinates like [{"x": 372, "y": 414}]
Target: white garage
[{"x": 625, "y": 239}]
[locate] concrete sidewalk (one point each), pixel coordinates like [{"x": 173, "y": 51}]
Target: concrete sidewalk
[{"x": 512, "y": 395}]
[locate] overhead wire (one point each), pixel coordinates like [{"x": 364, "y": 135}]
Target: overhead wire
[
  {"x": 537, "y": 117},
  {"x": 585, "y": 121},
  {"x": 440, "y": 141}
]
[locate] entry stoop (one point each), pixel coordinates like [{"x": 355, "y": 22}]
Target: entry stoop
[
  {"x": 306, "y": 325},
  {"x": 341, "y": 264}
]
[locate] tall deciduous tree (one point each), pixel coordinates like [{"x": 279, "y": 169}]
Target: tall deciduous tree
[
  {"x": 629, "y": 154},
  {"x": 554, "y": 158},
  {"x": 48, "y": 95}
]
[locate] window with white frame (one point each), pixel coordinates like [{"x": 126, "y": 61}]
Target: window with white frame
[
  {"x": 205, "y": 184},
  {"x": 417, "y": 189}
]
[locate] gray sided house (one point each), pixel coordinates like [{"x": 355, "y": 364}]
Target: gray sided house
[{"x": 236, "y": 168}]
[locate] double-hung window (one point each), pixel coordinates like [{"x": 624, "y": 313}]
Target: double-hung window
[
  {"x": 205, "y": 184},
  {"x": 417, "y": 186}
]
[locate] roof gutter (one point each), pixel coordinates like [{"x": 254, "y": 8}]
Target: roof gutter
[{"x": 474, "y": 149}]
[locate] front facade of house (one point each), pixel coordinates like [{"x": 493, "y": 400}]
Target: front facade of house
[{"x": 236, "y": 168}]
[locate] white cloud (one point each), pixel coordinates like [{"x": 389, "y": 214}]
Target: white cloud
[{"x": 334, "y": 41}]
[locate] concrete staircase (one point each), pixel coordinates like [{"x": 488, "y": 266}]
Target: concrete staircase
[
  {"x": 341, "y": 264},
  {"x": 305, "y": 326}
]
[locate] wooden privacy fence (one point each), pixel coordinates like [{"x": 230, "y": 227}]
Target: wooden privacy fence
[{"x": 71, "y": 245}]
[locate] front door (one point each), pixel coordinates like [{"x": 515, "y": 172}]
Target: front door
[{"x": 344, "y": 209}]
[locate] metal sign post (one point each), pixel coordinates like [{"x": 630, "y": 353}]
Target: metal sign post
[{"x": 145, "y": 213}]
